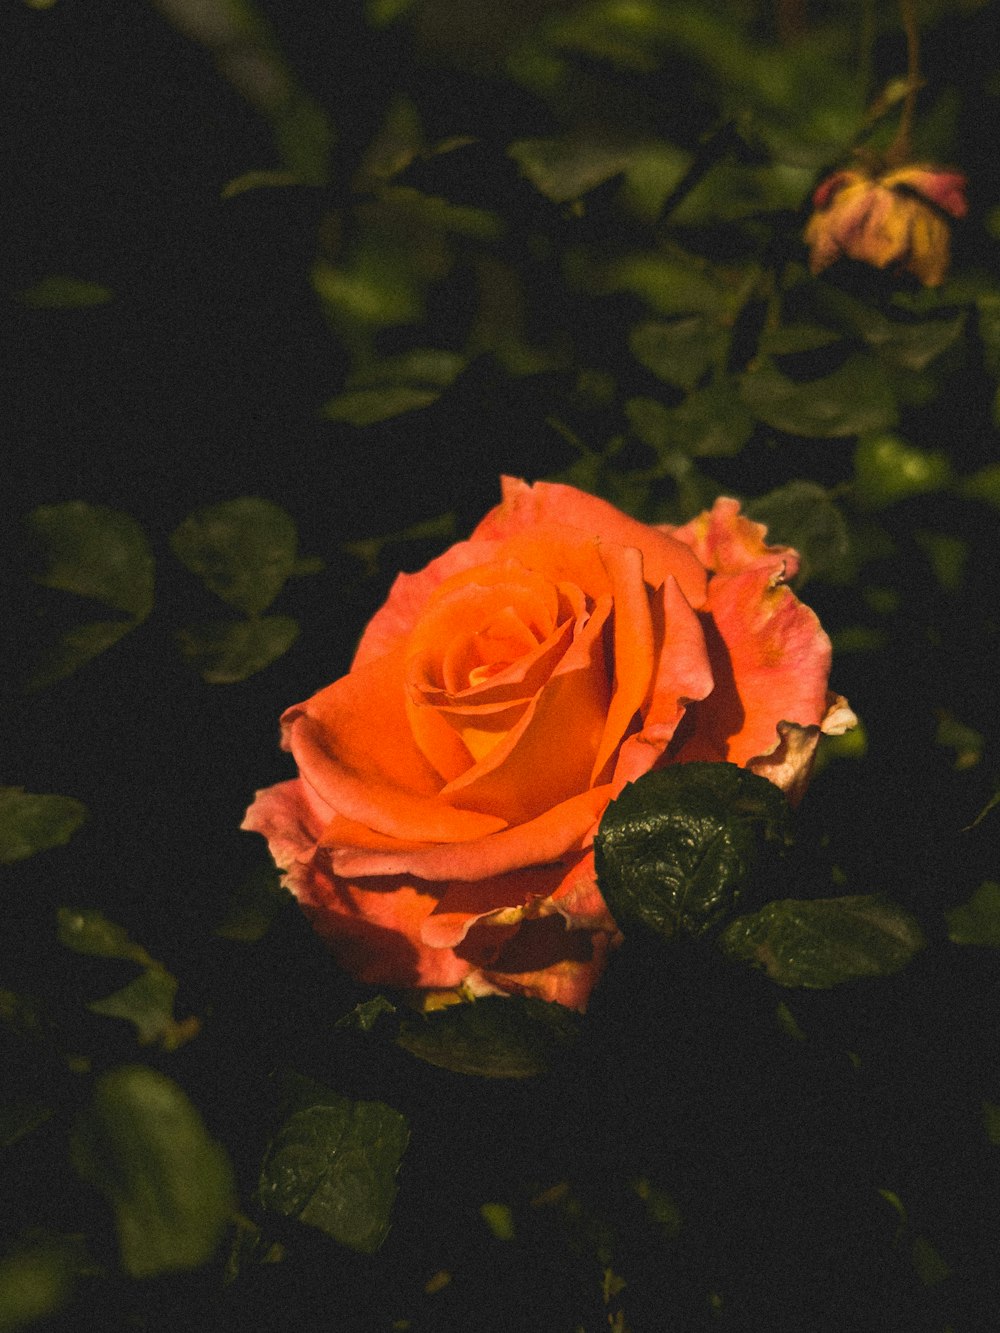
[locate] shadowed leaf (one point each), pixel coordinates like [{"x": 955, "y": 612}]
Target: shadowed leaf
[{"x": 30, "y": 824}]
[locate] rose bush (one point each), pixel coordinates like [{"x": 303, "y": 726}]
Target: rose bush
[{"x": 440, "y": 831}]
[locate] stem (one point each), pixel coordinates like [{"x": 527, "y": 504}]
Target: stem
[{"x": 899, "y": 150}]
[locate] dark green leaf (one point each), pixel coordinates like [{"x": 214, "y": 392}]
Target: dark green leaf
[
  {"x": 711, "y": 422},
  {"x": 978, "y": 920},
  {"x": 61, "y": 293},
  {"x": 253, "y": 906},
  {"x": 679, "y": 352},
  {"x": 243, "y": 550},
  {"x": 854, "y": 399},
  {"x": 887, "y": 469},
  {"x": 822, "y": 942},
  {"x": 364, "y": 407},
  {"x": 789, "y": 338},
  {"x": 364, "y": 1016},
  {"x": 679, "y": 849},
  {"x": 18, "y": 1119},
  {"x": 227, "y": 651},
  {"x": 495, "y": 1037},
  {"x": 333, "y": 1165},
  {"x": 75, "y": 648},
  {"x": 30, "y": 824},
  {"x": 95, "y": 552},
  {"x": 145, "y": 1147},
  {"x": 803, "y": 516}
]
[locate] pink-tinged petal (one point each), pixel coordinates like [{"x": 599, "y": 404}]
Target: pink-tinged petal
[
  {"x": 578, "y": 899},
  {"x": 565, "y": 828},
  {"x": 826, "y": 190},
  {"x": 682, "y": 675},
  {"x": 547, "y": 961},
  {"x": 944, "y": 188},
  {"x": 373, "y": 929},
  {"x": 388, "y": 786},
  {"x": 790, "y": 763},
  {"x": 502, "y": 900},
  {"x": 291, "y": 817},
  {"x": 526, "y": 509},
  {"x": 770, "y": 660},
  {"x": 726, "y": 541}
]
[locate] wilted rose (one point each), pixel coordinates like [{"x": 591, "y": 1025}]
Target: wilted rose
[
  {"x": 898, "y": 219},
  {"x": 440, "y": 831}
]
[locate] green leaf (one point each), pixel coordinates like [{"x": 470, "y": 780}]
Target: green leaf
[
  {"x": 75, "y": 648},
  {"x": 35, "y": 1281},
  {"x": 242, "y": 550},
  {"x": 887, "y": 469},
  {"x": 789, "y": 338},
  {"x": 679, "y": 849},
  {"x": 823, "y": 942},
  {"x": 30, "y": 824},
  {"x": 90, "y": 932},
  {"x": 144, "y": 1146},
  {"x": 984, "y": 485},
  {"x": 227, "y": 651},
  {"x": 148, "y": 1000},
  {"x": 495, "y": 1037},
  {"x": 978, "y": 920},
  {"x": 566, "y": 168},
  {"x": 670, "y": 285},
  {"x": 680, "y": 352},
  {"x": 711, "y": 422},
  {"x": 855, "y": 398},
  {"x": 365, "y": 407},
  {"x": 991, "y": 1122},
  {"x": 95, "y": 552},
  {"x": 62, "y": 293},
  {"x": 499, "y": 1218},
  {"x": 148, "y": 1003},
  {"x": 253, "y": 906},
  {"x": 333, "y": 1165},
  {"x": 802, "y": 515}
]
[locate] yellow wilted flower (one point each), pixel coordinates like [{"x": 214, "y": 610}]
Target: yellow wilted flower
[{"x": 894, "y": 220}]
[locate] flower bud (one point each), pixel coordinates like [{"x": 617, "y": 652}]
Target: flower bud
[{"x": 895, "y": 220}]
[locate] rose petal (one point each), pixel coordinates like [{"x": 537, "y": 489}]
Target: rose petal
[
  {"x": 373, "y": 929},
  {"x": 683, "y": 675},
  {"x": 725, "y": 541},
  {"x": 408, "y": 595},
  {"x": 944, "y": 188},
  {"x": 291, "y": 817},
  {"x": 548, "y": 756},
  {"x": 388, "y": 786},
  {"x": 502, "y": 899},
  {"x": 564, "y": 828},
  {"x": 770, "y": 660},
  {"x": 547, "y": 961},
  {"x": 525, "y": 509}
]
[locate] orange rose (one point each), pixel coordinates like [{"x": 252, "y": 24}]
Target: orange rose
[
  {"x": 894, "y": 220},
  {"x": 440, "y": 831}
]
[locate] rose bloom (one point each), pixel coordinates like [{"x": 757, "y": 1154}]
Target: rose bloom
[
  {"x": 440, "y": 832},
  {"x": 892, "y": 220}
]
